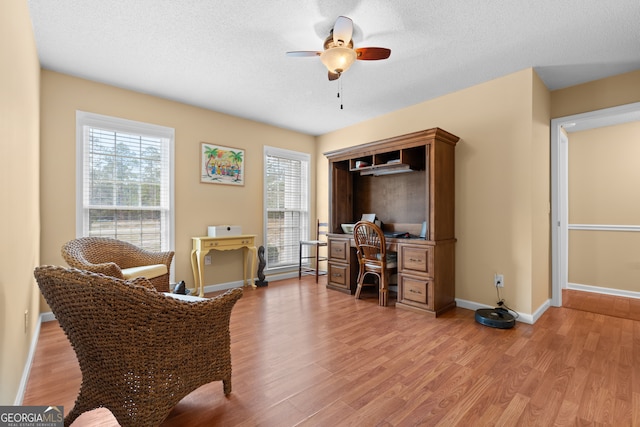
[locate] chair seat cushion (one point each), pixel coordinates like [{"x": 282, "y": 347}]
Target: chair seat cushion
[
  {"x": 392, "y": 259},
  {"x": 189, "y": 298},
  {"x": 390, "y": 265},
  {"x": 148, "y": 271}
]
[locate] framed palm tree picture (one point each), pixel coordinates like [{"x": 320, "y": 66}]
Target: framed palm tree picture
[{"x": 221, "y": 165}]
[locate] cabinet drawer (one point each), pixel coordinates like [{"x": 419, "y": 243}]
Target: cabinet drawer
[
  {"x": 415, "y": 291},
  {"x": 338, "y": 250},
  {"x": 339, "y": 275},
  {"x": 418, "y": 259}
]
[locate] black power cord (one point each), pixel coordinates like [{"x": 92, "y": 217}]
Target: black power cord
[{"x": 503, "y": 306}]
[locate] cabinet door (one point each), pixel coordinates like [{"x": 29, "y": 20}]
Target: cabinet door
[
  {"x": 416, "y": 259},
  {"x": 415, "y": 291}
]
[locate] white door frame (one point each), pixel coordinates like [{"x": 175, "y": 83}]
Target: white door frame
[{"x": 559, "y": 182}]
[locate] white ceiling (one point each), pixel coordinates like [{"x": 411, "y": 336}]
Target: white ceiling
[{"x": 229, "y": 55}]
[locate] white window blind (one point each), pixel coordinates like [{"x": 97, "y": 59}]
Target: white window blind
[
  {"x": 286, "y": 205},
  {"x": 125, "y": 185}
]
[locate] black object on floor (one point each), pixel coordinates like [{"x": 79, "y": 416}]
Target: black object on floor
[
  {"x": 180, "y": 288},
  {"x": 261, "y": 264},
  {"x": 495, "y": 317}
]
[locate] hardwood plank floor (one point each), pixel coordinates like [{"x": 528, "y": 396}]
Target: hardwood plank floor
[
  {"x": 610, "y": 305},
  {"x": 304, "y": 355}
]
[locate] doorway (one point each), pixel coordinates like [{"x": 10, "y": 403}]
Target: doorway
[{"x": 561, "y": 129}]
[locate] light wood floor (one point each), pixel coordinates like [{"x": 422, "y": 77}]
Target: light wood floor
[{"x": 305, "y": 355}]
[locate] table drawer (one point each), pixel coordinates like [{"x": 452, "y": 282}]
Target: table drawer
[
  {"x": 338, "y": 249},
  {"x": 415, "y": 291},
  {"x": 417, "y": 259},
  {"x": 222, "y": 243}
]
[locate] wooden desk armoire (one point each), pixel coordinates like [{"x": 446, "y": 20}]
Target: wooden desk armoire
[{"x": 406, "y": 181}]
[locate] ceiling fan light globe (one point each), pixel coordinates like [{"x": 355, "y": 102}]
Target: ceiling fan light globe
[{"x": 338, "y": 59}]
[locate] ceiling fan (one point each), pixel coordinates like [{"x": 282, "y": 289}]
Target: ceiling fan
[{"x": 339, "y": 54}]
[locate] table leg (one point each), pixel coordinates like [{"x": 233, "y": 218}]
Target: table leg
[
  {"x": 194, "y": 269},
  {"x": 254, "y": 261},
  {"x": 197, "y": 262},
  {"x": 244, "y": 266},
  {"x": 253, "y": 254}
]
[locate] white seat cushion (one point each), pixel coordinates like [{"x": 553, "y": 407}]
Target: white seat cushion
[
  {"x": 181, "y": 297},
  {"x": 148, "y": 271}
]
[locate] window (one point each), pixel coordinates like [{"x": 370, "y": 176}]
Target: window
[
  {"x": 124, "y": 184},
  {"x": 286, "y": 198}
]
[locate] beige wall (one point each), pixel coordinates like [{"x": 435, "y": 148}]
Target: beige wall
[
  {"x": 540, "y": 195},
  {"x": 606, "y": 259},
  {"x": 603, "y": 179},
  {"x": 196, "y": 205},
  {"x": 19, "y": 191},
  {"x": 604, "y": 175},
  {"x": 605, "y": 93},
  {"x": 502, "y": 175}
]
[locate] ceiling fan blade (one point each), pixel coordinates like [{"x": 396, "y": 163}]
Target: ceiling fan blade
[
  {"x": 333, "y": 76},
  {"x": 303, "y": 53},
  {"x": 342, "y": 31},
  {"x": 372, "y": 53}
]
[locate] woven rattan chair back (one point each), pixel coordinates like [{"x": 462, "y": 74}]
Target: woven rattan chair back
[
  {"x": 372, "y": 258},
  {"x": 128, "y": 346},
  {"x": 109, "y": 256}
]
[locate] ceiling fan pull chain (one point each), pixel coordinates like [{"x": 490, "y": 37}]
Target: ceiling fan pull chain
[{"x": 340, "y": 93}]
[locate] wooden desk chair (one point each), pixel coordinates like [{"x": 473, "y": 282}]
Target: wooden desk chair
[
  {"x": 373, "y": 258},
  {"x": 322, "y": 229}
]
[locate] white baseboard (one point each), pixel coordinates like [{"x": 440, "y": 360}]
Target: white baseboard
[
  {"x": 220, "y": 287},
  {"x": 540, "y": 311},
  {"x": 470, "y": 305},
  {"x": 606, "y": 291},
  {"x": 239, "y": 283},
  {"x": 282, "y": 276},
  {"x": 47, "y": 317},
  {"x": 27, "y": 365}
]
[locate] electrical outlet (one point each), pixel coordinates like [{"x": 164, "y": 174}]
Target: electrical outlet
[
  {"x": 498, "y": 280},
  {"x": 207, "y": 260}
]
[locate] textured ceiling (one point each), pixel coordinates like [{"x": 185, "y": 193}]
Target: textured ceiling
[{"x": 229, "y": 56}]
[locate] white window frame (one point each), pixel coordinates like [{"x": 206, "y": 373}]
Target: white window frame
[
  {"x": 304, "y": 220},
  {"x": 85, "y": 120}
]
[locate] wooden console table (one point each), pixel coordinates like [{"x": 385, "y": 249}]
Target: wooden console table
[{"x": 202, "y": 246}]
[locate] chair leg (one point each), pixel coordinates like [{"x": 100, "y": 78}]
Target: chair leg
[
  {"x": 360, "y": 282},
  {"x": 384, "y": 295},
  {"x": 300, "y": 263},
  {"x": 226, "y": 386},
  {"x": 317, "y": 261},
  {"x": 384, "y": 289}
]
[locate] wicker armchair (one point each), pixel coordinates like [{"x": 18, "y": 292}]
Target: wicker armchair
[
  {"x": 131, "y": 342},
  {"x": 119, "y": 259}
]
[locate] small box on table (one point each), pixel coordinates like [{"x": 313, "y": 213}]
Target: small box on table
[{"x": 224, "y": 230}]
